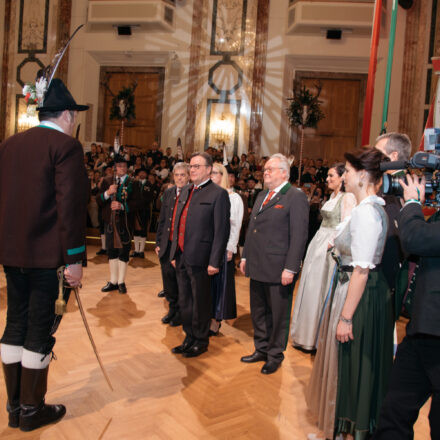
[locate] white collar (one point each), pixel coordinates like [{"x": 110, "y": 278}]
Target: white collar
[
  {"x": 51, "y": 124},
  {"x": 279, "y": 188},
  {"x": 373, "y": 199}
]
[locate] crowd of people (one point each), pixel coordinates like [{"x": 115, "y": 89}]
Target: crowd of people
[
  {"x": 330, "y": 217},
  {"x": 154, "y": 169},
  {"x": 348, "y": 298}
]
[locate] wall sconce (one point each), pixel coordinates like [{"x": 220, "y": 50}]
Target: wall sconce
[
  {"x": 28, "y": 119},
  {"x": 222, "y": 129}
]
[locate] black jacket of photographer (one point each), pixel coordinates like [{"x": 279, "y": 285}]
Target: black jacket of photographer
[{"x": 423, "y": 239}]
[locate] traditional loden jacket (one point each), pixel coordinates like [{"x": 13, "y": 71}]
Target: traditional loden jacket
[{"x": 43, "y": 199}]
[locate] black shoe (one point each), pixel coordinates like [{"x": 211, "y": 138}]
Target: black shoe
[
  {"x": 109, "y": 287},
  {"x": 180, "y": 349},
  {"x": 161, "y": 294},
  {"x": 176, "y": 320},
  {"x": 133, "y": 254},
  {"x": 122, "y": 288},
  {"x": 32, "y": 417},
  {"x": 141, "y": 255},
  {"x": 34, "y": 411},
  {"x": 12, "y": 373},
  {"x": 101, "y": 252},
  {"x": 195, "y": 350},
  {"x": 168, "y": 317},
  {"x": 270, "y": 367},
  {"x": 256, "y": 356}
]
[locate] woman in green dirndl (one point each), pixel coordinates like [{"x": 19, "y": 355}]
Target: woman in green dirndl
[{"x": 365, "y": 327}]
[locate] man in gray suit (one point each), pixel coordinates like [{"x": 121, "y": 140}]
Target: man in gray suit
[{"x": 273, "y": 250}]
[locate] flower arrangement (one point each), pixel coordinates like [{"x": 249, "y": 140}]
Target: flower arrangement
[
  {"x": 304, "y": 111},
  {"x": 123, "y": 106},
  {"x": 34, "y": 93}
]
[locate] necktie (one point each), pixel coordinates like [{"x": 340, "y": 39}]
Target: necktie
[{"x": 269, "y": 196}]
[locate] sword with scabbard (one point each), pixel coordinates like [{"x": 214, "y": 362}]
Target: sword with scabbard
[{"x": 60, "y": 309}]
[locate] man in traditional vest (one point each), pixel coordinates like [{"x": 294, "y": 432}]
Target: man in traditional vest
[
  {"x": 119, "y": 198},
  {"x": 42, "y": 227}
]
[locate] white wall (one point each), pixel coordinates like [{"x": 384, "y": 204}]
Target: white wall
[
  {"x": 350, "y": 54},
  {"x": 89, "y": 50}
]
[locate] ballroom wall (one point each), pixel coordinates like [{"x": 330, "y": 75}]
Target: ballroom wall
[{"x": 244, "y": 73}]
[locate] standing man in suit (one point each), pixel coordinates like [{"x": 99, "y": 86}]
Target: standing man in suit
[
  {"x": 200, "y": 235},
  {"x": 164, "y": 237},
  {"x": 397, "y": 146},
  {"x": 143, "y": 214},
  {"x": 119, "y": 198},
  {"x": 272, "y": 254},
  {"x": 416, "y": 372},
  {"x": 42, "y": 227}
]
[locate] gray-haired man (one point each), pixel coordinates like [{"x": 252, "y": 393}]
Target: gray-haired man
[{"x": 272, "y": 255}]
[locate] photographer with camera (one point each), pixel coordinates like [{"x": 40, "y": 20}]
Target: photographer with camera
[
  {"x": 416, "y": 371},
  {"x": 397, "y": 147}
]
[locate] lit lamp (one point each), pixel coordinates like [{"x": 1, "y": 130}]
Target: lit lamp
[
  {"x": 28, "y": 119},
  {"x": 222, "y": 129}
]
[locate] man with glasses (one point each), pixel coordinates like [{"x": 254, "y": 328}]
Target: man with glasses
[
  {"x": 164, "y": 236},
  {"x": 200, "y": 234},
  {"x": 273, "y": 250}
]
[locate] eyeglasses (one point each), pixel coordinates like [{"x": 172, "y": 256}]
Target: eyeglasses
[
  {"x": 197, "y": 166},
  {"x": 270, "y": 170}
]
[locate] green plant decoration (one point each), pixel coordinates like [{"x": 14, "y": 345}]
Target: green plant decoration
[
  {"x": 304, "y": 111},
  {"x": 123, "y": 107}
]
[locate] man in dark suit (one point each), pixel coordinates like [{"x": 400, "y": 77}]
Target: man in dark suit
[
  {"x": 143, "y": 214},
  {"x": 42, "y": 227},
  {"x": 164, "y": 238},
  {"x": 119, "y": 198},
  {"x": 272, "y": 254},
  {"x": 397, "y": 146},
  {"x": 201, "y": 231},
  {"x": 416, "y": 371}
]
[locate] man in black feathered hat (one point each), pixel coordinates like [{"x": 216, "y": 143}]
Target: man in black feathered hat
[
  {"x": 42, "y": 228},
  {"x": 119, "y": 199},
  {"x": 143, "y": 214}
]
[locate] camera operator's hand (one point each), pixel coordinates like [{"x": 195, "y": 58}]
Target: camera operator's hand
[{"x": 414, "y": 189}]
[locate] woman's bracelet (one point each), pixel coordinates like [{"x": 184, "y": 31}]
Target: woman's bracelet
[{"x": 347, "y": 321}]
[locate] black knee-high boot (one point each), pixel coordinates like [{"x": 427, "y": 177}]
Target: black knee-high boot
[
  {"x": 12, "y": 373},
  {"x": 34, "y": 411}
]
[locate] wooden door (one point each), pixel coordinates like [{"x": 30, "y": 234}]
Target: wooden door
[
  {"x": 342, "y": 104},
  {"x": 145, "y": 128}
]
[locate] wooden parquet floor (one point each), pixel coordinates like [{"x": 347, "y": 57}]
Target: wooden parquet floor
[{"x": 158, "y": 395}]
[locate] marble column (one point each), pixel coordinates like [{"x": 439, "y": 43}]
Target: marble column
[
  {"x": 414, "y": 70},
  {"x": 259, "y": 74},
  {"x": 63, "y": 34},
  {"x": 194, "y": 73},
  {"x": 5, "y": 66}
]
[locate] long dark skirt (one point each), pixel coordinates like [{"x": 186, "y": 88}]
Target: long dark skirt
[
  {"x": 224, "y": 305},
  {"x": 365, "y": 363}
]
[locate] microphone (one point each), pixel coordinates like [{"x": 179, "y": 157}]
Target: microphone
[{"x": 396, "y": 165}]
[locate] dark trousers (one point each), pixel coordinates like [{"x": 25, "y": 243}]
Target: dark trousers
[
  {"x": 169, "y": 280},
  {"x": 141, "y": 226},
  {"x": 414, "y": 378},
  {"x": 194, "y": 300},
  {"x": 122, "y": 253},
  {"x": 271, "y": 305},
  {"x": 31, "y": 308}
]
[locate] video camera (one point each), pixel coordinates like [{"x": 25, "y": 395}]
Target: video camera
[{"x": 421, "y": 160}]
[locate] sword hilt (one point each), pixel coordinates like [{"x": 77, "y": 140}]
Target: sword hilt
[{"x": 60, "y": 304}]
